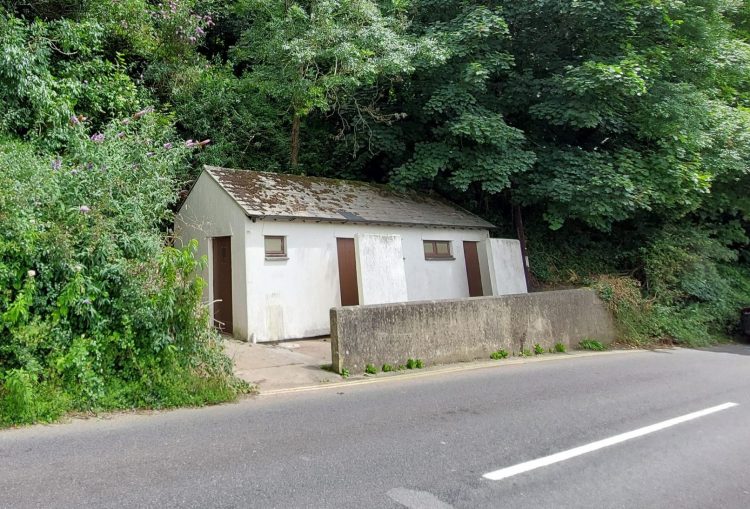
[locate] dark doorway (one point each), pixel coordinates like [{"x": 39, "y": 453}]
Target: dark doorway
[
  {"x": 472, "y": 269},
  {"x": 347, "y": 272},
  {"x": 222, "y": 283}
]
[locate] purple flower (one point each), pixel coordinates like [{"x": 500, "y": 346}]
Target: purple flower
[
  {"x": 97, "y": 138},
  {"x": 190, "y": 144},
  {"x": 57, "y": 164},
  {"x": 167, "y": 146},
  {"x": 121, "y": 134},
  {"x": 73, "y": 172},
  {"x": 199, "y": 31},
  {"x": 74, "y": 120},
  {"x": 84, "y": 209},
  {"x": 192, "y": 39}
]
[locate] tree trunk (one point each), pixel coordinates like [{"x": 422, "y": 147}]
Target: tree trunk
[{"x": 294, "y": 156}]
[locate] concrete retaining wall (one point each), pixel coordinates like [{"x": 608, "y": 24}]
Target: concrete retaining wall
[{"x": 464, "y": 329}]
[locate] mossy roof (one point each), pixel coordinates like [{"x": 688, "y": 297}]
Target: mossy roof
[{"x": 276, "y": 195}]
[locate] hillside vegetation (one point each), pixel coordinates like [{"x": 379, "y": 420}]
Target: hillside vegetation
[{"x": 618, "y": 129}]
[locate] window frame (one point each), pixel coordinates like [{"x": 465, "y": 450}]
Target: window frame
[
  {"x": 435, "y": 255},
  {"x": 275, "y": 255}
]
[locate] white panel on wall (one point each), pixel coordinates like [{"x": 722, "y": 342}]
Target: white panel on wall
[
  {"x": 381, "y": 275},
  {"x": 505, "y": 266}
]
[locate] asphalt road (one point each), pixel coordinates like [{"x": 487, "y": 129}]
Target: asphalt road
[{"x": 423, "y": 443}]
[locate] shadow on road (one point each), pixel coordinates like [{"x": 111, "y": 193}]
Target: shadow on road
[{"x": 735, "y": 348}]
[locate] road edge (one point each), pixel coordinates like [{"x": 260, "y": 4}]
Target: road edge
[{"x": 445, "y": 369}]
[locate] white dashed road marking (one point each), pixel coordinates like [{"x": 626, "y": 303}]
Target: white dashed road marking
[{"x": 595, "y": 446}]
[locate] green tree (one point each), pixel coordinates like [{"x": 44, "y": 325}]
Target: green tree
[{"x": 314, "y": 55}]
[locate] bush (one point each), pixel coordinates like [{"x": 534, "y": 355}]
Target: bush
[
  {"x": 499, "y": 354},
  {"x": 370, "y": 369},
  {"x": 538, "y": 349},
  {"x": 414, "y": 364},
  {"x": 96, "y": 310},
  {"x": 591, "y": 344},
  {"x": 560, "y": 347}
]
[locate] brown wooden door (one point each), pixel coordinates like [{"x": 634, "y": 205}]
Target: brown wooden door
[
  {"x": 222, "y": 283},
  {"x": 472, "y": 269},
  {"x": 347, "y": 272}
]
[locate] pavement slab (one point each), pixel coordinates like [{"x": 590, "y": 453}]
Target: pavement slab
[{"x": 282, "y": 365}]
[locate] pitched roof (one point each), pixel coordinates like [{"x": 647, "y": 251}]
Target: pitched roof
[{"x": 264, "y": 194}]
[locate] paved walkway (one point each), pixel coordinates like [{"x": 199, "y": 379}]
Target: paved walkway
[{"x": 273, "y": 366}]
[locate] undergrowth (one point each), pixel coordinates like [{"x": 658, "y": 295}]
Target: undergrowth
[
  {"x": 681, "y": 286},
  {"x": 97, "y": 311}
]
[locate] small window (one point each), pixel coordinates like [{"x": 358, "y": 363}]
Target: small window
[
  {"x": 275, "y": 246},
  {"x": 437, "y": 250}
]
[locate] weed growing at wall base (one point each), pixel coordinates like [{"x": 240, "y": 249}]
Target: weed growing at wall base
[
  {"x": 591, "y": 344},
  {"x": 499, "y": 354}
]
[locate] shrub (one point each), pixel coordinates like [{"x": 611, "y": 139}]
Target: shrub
[
  {"x": 560, "y": 347},
  {"x": 414, "y": 364},
  {"x": 386, "y": 368},
  {"x": 97, "y": 311},
  {"x": 591, "y": 344},
  {"x": 370, "y": 369},
  {"x": 499, "y": 354},
  {"x": 538, "y": 349}
]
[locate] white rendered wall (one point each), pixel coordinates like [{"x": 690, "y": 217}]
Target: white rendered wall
[
  {"x": 291, "y": 298},
  {"x": 381, "y": 273},
  {"x": 209, "y": 212},
  {"x": 502, "y": 258}
]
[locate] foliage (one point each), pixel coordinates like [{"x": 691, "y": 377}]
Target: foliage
[
  {"x": 314, "y": 55},
  {"x": 454, "y": 107},
  {"x": 499, "y": 354},
  {"x": 538, "y": 349},
  {"x": 414, "y": 364},
  {"x": 96, "y": 312},
  {"x": 370, "y": 369},
  {"x": 386, "y": 368},
  {"x": 560, "y": 348},
  {"x": 591, "y": 344}
]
